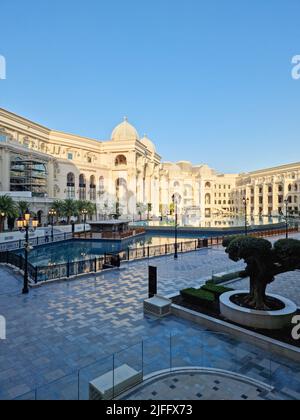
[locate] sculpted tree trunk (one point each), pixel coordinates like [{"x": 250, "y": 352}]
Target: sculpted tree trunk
[
  {"x": 264, "y": 262},
  {"x": 259, "y": 298},
  {"x": 260, "y": 276}
]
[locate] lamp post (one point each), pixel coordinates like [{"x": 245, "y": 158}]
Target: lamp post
[
  {"x": 245, "y": 204},
  {"x": 286, "y": 203},
  {"x": 176, "y": 226},
  {"x": 2, "y": 221},
  {"x": 52, "y": 214},
  {"x": 84, "y": 214},
  {"x": 25, "y": 223}
]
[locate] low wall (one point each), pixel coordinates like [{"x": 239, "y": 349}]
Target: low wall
[
  {"x": 265, "y": 343},
  {"x": 215, "y": 231}
]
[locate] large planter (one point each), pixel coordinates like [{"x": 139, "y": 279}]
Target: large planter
[{"x": 264, "y": 320}]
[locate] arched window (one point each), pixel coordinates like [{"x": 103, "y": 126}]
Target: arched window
[
  {"x": 208, "y": 185},
  {"x": 82, "y": 187},
  {"x": 93, "y": 188},
  {"x": 188, "y": 191},
  {"x": 70, "y": 185},
  {"x": 121, "y": 160},
  {"x": 270, "y": 189},
  {"x": 208, "y": 199},
  {"x": 290, "y": 187},
  {"x": 40, "y": 217},
  {"x": 121, "y": 182},
  {"x": 101, "y": 185}
]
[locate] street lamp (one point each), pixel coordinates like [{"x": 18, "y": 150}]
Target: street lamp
[
  {"x": 2, "y": 214},
  {"x": 245, "y": 204},
  {"x": 52, "y": 214},
  {"x": 174, "y": 198},
  {"x": 84, "y": 214},
  {"x": 25, "y": 223},
  {"x": 286, "y": 203}
]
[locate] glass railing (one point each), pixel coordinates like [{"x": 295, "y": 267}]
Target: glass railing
[{"x": 208, "y": 350}]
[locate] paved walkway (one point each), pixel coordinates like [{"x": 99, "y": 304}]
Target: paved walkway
[
  {"x": 62, "y": 327},
  {"x": 198, "y": 386}
]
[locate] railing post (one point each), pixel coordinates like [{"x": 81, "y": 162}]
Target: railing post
[
  {"x": 36, "y": 275},
  {"x": 68, "y": 269},
  {"x": 143, "y": 359},
  {"x": 171, "y": 361},
  {"x": 113, "y": 376},
  {"x": 128, "y": 254},
  {"x": 95, "y": 265}
]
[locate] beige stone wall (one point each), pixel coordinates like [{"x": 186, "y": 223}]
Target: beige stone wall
[
  {"x": 268, "y": 189},
  {"x": 127, "y": 170}
]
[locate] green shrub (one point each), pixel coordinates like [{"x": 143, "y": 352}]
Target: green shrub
[
  {"x": 198, "y": 297},
  {"x": 216, "y": 290}
]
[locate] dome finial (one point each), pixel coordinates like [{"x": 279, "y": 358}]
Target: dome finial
[{"x": 126, "y": 118}]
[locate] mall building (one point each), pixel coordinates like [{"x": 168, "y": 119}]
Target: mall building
[{"x": 126, "y": 174}]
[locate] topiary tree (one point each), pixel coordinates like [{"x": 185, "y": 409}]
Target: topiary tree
[{"x": 263, "y": 263}]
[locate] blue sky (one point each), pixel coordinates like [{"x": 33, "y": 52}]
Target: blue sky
[{"x": 208, "y": 81}]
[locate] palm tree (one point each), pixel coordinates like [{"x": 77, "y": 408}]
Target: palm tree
[
  {"x": 92, "y": 210},
  {"x": 69, "y": 209},
  {"x": 58, "y": 206},
  {"x": 7, "y": 209},
  {"x": 22, "y": 207},
  {"x": 80, "y": 206}
]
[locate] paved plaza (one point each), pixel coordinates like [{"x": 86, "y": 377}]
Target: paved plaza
[
  {"x": 199, "y": 386},
  {"x": 63, "y": 327}
]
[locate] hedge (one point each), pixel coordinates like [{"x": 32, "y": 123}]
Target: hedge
[
  {"x": 198, "y": 297},
  {"x": 216, "y": 290}
]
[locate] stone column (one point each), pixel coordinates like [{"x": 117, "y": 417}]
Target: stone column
[
  {"x": 131, "y": 193},
  {"x": 256, "y": 199},
  {"x": 265, "y": 199},
  {"x": 50, "y": 181},
  {"x": 5, "y": 172}
]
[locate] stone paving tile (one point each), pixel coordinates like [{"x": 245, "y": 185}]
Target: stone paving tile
[
  {"x": 63, "y": 327},
  {"x": 199, "y": 386}
]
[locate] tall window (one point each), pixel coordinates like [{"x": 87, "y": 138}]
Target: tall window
[
  {"x": 208, "y": 199},
  {"x": 92, "y": 188},
  {"x": 71, "y": 186},
  {"x": 101, "y": 185},
  {"x": 82, "y": 187}
]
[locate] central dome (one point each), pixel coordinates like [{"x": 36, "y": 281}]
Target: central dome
[{"x": 125, "y": 132}]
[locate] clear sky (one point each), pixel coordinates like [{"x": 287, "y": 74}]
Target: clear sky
[{"x": 207, "y": 80}]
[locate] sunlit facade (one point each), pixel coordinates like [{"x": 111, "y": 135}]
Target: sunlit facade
[{"x": 125, "y": 174}]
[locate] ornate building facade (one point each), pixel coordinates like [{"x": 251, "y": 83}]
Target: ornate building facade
[
  {"x": 125, "y": 174},
  {"x": 270, "y": 191}
]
